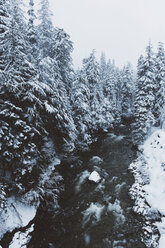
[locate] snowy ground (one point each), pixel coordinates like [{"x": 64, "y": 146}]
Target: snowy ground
[
  {"x": 149, "y": 188},
  {"x": 20, "y": 240},
  {"x": 16, "y": 214}
]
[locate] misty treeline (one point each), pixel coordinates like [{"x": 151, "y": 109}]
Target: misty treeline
[{"x": 46, "y": 106}]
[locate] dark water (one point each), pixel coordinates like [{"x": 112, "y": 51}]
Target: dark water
[{"x": 94, "y": 215}]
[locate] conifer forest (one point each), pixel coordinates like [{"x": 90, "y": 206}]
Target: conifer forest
[{"x": 82, "y": 151}]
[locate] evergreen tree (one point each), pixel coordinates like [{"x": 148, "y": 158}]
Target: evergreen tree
[
  {"x": 108, "y": 89},
  {"x": 4, "y": 34},
  {"x": 105, "y": 73},
  {"x": 45, "y": 30},
  {"x": 91, "y": 73},
  {"x": 32, "y": 34},
  {"x": 112, "y": 87},
  {"x": 144, "y": 100},
  {"x": 19, "y": 70},
  {"x": 81, "y": 108},
  {"x": 159, "y": 108},
  {"x": 21, "y": 126},
  {"x": 118, "y": 82},
  {"x": 62, "y": 48},
  {"x": 32, "y": 17},
  {"x": 57, "y": 105},
  {"x": 127, "y": 90},
  {"x": 103, "y": 68}
]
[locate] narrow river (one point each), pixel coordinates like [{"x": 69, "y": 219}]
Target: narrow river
[{"x": 94, "y": 214}]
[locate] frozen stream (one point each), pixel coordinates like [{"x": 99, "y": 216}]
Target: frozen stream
[{"x": 94, "y": 214}]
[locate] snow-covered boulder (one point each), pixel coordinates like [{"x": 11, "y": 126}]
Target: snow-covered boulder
[{"x": 94, "y": 177}]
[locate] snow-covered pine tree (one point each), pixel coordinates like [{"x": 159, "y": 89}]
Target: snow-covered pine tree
[
  {"x": 32, "y": 17},
  {"x": 81, "y": 110},
  {"x": 55, "y": 72},
  {"x": 108, "y": 90},
  {"x": 62, "y": 48},
  {"x": 58, "y": 121},
  {"x": 127, "y": 90},
  {"x": 105, "y": 75},
  {"x": 61, "y": 51},
  {"x": 19, "y": 69},
  {"x": 159, "y": 108},
  {"x": 118, "y": 82},
  {"x": 103, "y": 67},
  {"x": 144, "y": 99},
  {"x": 32, "y": 34},
  {"x": 91, "y": 73},
  {"x": 45, "y": 30},
  {"x": 4, "y": 33},
  {"x": 114, "y": 88},
  {"x": 21, "y": 126}
]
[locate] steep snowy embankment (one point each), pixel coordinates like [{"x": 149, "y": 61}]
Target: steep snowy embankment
[
  {"x": 149, "y": 188},
  {"x": 16, "y": 214}
]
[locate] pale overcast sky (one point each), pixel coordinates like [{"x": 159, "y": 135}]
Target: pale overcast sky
[{"x": 120, "y": 28}]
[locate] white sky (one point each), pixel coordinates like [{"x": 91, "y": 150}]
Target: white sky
[{"x": 120, "y": 28}]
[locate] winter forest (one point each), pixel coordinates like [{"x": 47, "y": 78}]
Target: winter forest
[{"x": 82, "y": 151}]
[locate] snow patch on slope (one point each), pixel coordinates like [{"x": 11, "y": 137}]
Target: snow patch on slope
[
  {"x": 154, "y": 151},
  {"x": 16, "y": 214},
  {"x": 149, "y": 188},
  {"x": 20, "y": 239}
]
